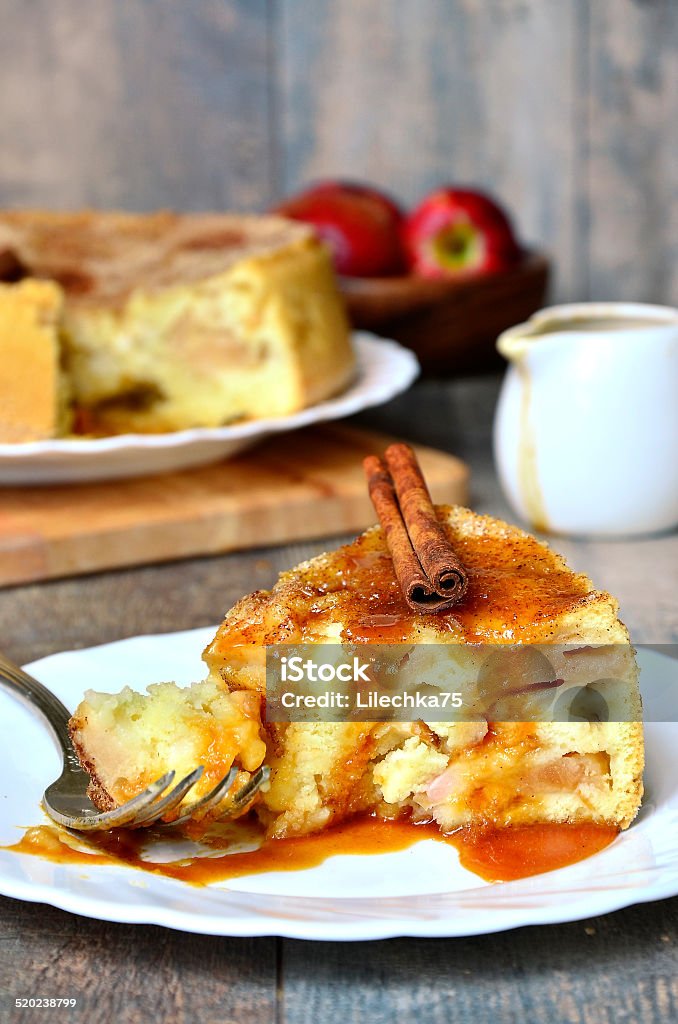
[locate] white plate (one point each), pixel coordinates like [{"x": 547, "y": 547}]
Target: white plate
[
  {"x": 385, "y": 369},
  {"x": 420, "y": 891}
]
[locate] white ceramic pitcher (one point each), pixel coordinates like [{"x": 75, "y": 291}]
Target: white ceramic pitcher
[{"x": 586, "y": 429}]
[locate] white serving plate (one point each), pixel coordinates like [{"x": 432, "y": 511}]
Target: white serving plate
[
  {"x": 385, "y": 369},
  {"x": 420, "y": 891}
]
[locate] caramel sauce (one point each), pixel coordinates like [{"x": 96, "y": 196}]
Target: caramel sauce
[
  {"x": 493, "y": 854},
  {"x": 505, "y": 854},
  {"x": 513, "y": 587},
  {"x": 518, "y": 591},
  {"x": 528, "y": 473}
]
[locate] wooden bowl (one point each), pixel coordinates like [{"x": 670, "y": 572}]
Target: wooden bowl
[{"x": 451, "y": 325}]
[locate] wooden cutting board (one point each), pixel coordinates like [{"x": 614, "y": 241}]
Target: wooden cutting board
[{"x": 304, "y": 485}]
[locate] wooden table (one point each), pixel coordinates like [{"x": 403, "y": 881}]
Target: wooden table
[{"x": 621, "y": 967}]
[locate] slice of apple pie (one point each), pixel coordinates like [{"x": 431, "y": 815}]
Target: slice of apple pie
[{"x": 457, "y": 772}]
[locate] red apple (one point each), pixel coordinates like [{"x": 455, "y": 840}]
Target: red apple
[
  {"x": 457, "y": 232},
  {"x": 361, "y": 225}
]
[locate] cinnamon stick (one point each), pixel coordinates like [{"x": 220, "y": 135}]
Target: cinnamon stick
[{"x": 428, "y": 571}]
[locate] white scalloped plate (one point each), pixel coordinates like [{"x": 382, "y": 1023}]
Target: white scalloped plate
[
  {"x": 420, "y": 891},
  {"x": 385, "y": 369}
]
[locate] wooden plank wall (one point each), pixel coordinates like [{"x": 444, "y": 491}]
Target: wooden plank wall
[{"x": 565, "y": 108}]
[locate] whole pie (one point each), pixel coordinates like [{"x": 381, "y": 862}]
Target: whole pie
[{"x": 171, "y": 321}]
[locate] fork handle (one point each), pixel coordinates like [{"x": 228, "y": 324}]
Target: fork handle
[{"x": 56, "y": 713}]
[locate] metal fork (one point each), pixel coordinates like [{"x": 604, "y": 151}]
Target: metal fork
[{"x": 66, "y": 800}]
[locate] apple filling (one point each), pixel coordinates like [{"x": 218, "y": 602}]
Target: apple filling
[{"x": 505, "y": 774}]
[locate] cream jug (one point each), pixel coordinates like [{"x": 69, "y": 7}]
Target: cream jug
[{"x": 586, "y": 429}]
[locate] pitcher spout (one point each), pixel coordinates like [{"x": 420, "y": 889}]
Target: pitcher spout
[{"x": 514, "y": 343}]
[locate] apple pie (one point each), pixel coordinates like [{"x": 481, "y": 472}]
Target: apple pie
[
  {"x": 173, "y": 321},
  {"x": 486, "y": 771}
]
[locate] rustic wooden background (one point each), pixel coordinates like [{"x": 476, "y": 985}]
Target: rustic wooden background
[{"x": 565, "y": 108}]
